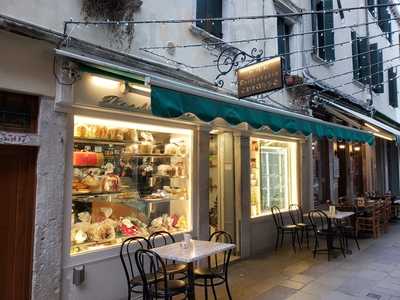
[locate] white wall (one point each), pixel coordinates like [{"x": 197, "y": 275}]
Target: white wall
[{"x": 26, "y": 66}]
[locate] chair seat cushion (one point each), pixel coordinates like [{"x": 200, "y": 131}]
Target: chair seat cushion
[
  {"x": 206, "y": 273},
  {"x": 289, "y": 227},
  {"x": 304, "y": 225},
  {"x": 137, "y": 280},
  {"x": 175, "y": 268},
  {"x": 172, "y": 285}
]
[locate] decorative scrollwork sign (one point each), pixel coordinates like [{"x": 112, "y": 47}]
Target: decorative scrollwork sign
[{"x": 231, "y": 58}]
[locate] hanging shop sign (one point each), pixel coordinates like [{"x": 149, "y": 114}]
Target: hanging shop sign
[{"x": 260, "y": 77}]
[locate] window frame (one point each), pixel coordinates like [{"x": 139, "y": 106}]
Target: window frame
[
  {"x": 283, "y": 41},
  {"x": 293, "y": 179},
  {"x": 323, "y": 38}
]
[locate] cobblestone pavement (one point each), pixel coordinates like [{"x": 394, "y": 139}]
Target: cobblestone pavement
[{"x": 372, "y": 273}]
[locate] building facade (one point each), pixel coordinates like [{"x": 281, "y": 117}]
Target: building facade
[{"x": 139, "y": 128}]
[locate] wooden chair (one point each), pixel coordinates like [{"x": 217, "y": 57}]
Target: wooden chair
[
  {"x": 369, "y": 221},
  {"x": 388, "y": 212}
]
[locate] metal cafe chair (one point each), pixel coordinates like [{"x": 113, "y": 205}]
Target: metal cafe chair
[
  {"x": 151, "y": 266},
  {"x": 297, "y": 216},
  {"x": 323, "y": 228},
  {"x": 163, "y": 238},
  {"x": 282, "y": 229},
  {"x": 216, "y": 272},
  {"x": 126, "y": 254},
  {"x": 348, "y": 226}
]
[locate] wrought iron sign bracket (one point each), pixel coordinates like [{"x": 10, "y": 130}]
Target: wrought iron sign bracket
[{"x": 232, "y": 58}]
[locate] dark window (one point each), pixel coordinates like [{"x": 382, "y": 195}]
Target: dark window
[
  {"x": 372, "y": 9},
  {"x": 210, "y": 9},
  {"x": 384, "y": 21},
  {"x": 392, "y": 76},
  {"x": 284, "y": 30},
  {"x": 354, "y": 53},
  {"x": 323, "y": 25},
  {"x": 363, "y": 60},
  {"x": 367, "y": 62},
  {"x": 18, "y": 113}
]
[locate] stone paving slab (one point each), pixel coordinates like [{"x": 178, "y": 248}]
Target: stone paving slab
[{"x": 370, "y": 274}]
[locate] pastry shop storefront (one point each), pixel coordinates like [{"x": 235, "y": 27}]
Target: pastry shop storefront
[{"x": 136, "y": 166}]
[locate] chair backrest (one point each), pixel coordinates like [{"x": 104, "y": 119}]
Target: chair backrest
[
  {"x": 220, "y": 261},
  {"x": 152, "y": 272},
  {"x": 296, "y": 213},
  {"x": 277, "y": 215},
  {"x": 127, "y": 252},
  {"x": 162, "y": 238},
  {"x": 318, "y": 220}
]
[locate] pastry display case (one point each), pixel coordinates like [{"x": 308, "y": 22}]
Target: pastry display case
[{"x": 128, "y": 179}]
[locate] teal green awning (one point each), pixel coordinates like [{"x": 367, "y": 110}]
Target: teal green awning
[
  {"x": 167, "y": 103},
  {"x": 109, "y": 72}
]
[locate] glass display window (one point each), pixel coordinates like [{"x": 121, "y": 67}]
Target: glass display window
[
  {"x": 129, "y": 179},
  {"x": 274, "y": 175}
]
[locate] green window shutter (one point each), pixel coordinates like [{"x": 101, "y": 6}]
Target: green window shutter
[
  {"x": 281, "y": 33},
  {"x": 354, "y": 52},
  {"x": 392, "y": 76},
  {"x": 210, "y": 9},
  {"x": 320, "y": 30},
  {"x": 201, "y": 12},
  {"x": 384, "y": 18},
  {"x": 214, "y": 10},
  {"x": 371, "y": 9},
  {"x": 329, "y": 37},
  {"x": 380, "y": 87},
  {"x": 314, "y": 27},
  {"x": 363, "y": 59},
  {"x": 373, "y": 48}
]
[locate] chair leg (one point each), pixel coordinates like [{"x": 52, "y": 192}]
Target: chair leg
[
  {"x": 213, "y": 289},
  {"x": 298, "y": 239},
  {"x": 356, "y": 240},
  {"x": 308, "y": 240},
  {"x": 315, "y": 247},
  {"x": 293, "y": 234},
  {"x": 227, "y": 289},
  {"x": 277, "y": 240},
  {"x": 205, "y": 289},
  {"x": 282, "y": 236}
]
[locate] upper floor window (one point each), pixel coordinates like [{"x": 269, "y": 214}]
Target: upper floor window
[
  {"x": 392, "y": 76},
  {"x": 284, "y": 30},
  {"x": 381, "y": 12},
  {"x": 367, "y": 62},
  {"x": 210, "y": 9},
  {"x": 323, "y": 27}
]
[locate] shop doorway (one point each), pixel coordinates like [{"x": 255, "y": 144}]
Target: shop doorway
[
  {"x": 321, "y": 182},
  {"x": 222, "y": 212},
  {"x": 17, "y": 185}
]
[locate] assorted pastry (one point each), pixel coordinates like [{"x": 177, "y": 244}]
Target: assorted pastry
[
  {"x": 109, "y": 229},
  {"x": 84, "y": 131}
]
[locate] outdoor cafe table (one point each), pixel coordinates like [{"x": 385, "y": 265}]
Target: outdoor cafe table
[
  {"x": 197, "y": 251},
  {"x": 338, "y": 215}
]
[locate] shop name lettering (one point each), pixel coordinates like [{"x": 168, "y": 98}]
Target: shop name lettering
[
  {"x": 9, "y": 138},
  {"x": 260, "y": 83},
  {"x": 260, "y": 78}
]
